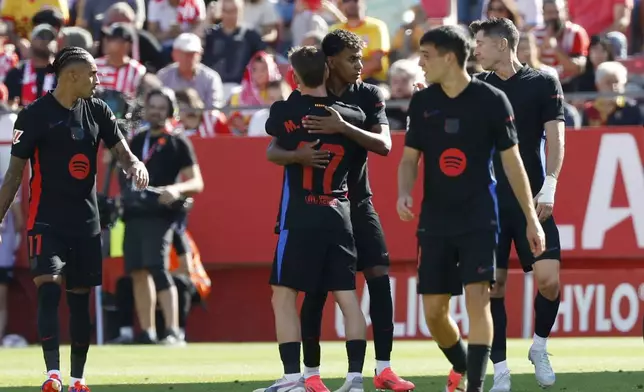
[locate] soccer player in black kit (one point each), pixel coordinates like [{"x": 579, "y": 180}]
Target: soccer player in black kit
[
  {"x": 537, "y": 99},
  {"x": 315, "y": 251},
  {"x": 457, "y": 124},
  {"x": 343, "y": 50},
  {"x": 59, "y": 134}
]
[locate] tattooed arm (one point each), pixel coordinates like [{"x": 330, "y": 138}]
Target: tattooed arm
[
  {"x": 11, "y": 183},
  {"x": 114, "y": 140}
]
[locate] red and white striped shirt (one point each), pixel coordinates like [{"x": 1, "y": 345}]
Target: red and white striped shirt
[
  {"x": 213, "y": 123},
  {"x": 124, "y": 79},
  {"x": 573, "y": 41}
]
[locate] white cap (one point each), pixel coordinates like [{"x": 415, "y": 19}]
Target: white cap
[{"x": 187, "y": 42}]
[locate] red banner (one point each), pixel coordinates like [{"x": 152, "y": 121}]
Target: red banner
[{"x": 599, "y": 198}]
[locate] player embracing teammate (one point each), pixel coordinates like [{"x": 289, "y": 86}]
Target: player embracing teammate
[{"x": 343, "y": 52}]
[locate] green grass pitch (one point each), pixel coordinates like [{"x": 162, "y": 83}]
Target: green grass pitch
[{"x": 582, "y": 365}]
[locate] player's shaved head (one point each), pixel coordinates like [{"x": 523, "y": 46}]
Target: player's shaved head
[{"x": 309, "y": 65}]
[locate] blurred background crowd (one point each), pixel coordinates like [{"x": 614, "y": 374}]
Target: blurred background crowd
[{"x": 227, "y": 59}]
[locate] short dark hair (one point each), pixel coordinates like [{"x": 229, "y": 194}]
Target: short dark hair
[
  {"x": 309, "y": 64},
  {"x": 339, "y": 40},
  {"x": 190, "y": 97},
  {"x": 68, "y": 56},
  {"x": 450, "y": 39},
  {"x": 499, "y": 27}
]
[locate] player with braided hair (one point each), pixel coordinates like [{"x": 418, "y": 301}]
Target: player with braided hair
[{"x": 59, "y": 134}]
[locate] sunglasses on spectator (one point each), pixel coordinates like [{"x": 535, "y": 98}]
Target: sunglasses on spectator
[
  {"x": 350, "y": 1},
  {"x": 496, "y": 9}
]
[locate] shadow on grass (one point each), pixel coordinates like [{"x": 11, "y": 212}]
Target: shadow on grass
[{"x": 568, "y": 382}]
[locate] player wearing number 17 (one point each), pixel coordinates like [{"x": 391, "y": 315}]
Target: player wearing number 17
[
  {"x": 457, "y": 123},
  {"x": 315, "y": 251}
]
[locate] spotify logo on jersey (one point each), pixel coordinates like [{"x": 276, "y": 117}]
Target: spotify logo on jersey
[
  {"x": 452, "y": 162},
  {"x": 79, "y": 166}
]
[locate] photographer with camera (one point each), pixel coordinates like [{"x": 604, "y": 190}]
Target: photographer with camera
[{"x": 151, "y": 216}]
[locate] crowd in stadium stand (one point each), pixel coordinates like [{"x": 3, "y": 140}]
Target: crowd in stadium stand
[{"x": 228, "y": 58}]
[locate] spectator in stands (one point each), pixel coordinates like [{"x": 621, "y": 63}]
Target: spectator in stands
[
  {"x": 18, "y": 14},
  {"x": 403, "y": 75},
  {"x": 92, "y": 12},
  {"x": 8, "y": 56},
  {"x": 33, "y": 78},
  {"x": 307, "y": 20},
  {"x": 600, "y": 51},
  {"x": 118, "y": 71},
  {"x": 376, "y": 35},
  {"x": 187, "y": 71},
  {"x": 76, "y": 36},
  {"x": 406, "y": 40},
  {"x": 509, "y": 9},
  {"x": 229, "y": 45},
  {"x": 602, "y": 16},
  {"x": 167, "y": 19},
  {"x": 51, "y": 16},
  {"x": 260, "y": 71},
  {"x": 611, "y": 77},
  {"x": 196, "y": 120},
  {"x": 619, "y": 43},
  {"x": 563, "y": 44},
  {"x": 528, "y": 53},
  {"x": 262, "y": 16},
  {"x": 145, "y": 47},
  {"x": 312, "y": 38},
  {"x": 277, "y": 91}
]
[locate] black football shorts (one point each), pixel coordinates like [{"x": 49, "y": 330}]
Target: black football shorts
[
  {"x": 78, "y": 259},
  {"x": 447, "y": 263},
  {"x": 369, "y": 237},
  {"x": 314, "y": 261},
  {"x": 513, "y": 229},
  {"x": 147, "y": 243}
]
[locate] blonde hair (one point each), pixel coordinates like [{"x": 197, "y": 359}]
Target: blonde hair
[{"x": 407, "y": 68}]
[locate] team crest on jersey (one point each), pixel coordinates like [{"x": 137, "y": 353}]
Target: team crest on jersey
[
  {"x": 452, "y": 125},
  {"x": 17, "y": 133}
]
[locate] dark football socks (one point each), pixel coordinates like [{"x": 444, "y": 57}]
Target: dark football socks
[
  {"x": 500, "y": 318},
  {"x": 311, "y": 324},
  {"x": 381, "y": 310},
  {"x": 545, "y": 315},
  {"x": 477, "y": 358},
  {"x": 290, "y": 356},
  {"x": 80, "y": 329},
  {"x": 47, "y": 321},
  {"x": 356, "y": 350},
  {"x": 457, "y": 356}
]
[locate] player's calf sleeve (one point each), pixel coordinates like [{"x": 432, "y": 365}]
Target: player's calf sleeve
[
  {"x": 457, "y": 356},
  {"x": 356, "y": 350},
  {"x": 80, "y": 329},
  {"x": 290, "y": 356},
  {"x": 545, "y": 314},
  {"x": 477, "y": 358},
  {"x": 311, "y": 326},
  {"x": 381, "y": 310},
  {"x": 185, "y": 302},
  {"x": 500, "y": 318},
  {"x": 47, "y": 320}
]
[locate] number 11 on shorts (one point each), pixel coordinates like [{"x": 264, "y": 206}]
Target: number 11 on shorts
[{"x": 35, "y": 245}]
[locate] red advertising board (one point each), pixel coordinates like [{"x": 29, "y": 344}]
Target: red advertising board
[{"x": 599, "y": 198}]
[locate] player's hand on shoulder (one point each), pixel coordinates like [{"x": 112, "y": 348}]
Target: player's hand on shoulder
[
  {"x": 536, "y": 237},
  {"x": 334, "y": 123},
  {"x": 139, "y": 174},
  {"x": 307, "y": 155},
  {"x": 404, "y": 205},
  {"x": 169, "y": 195}
]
